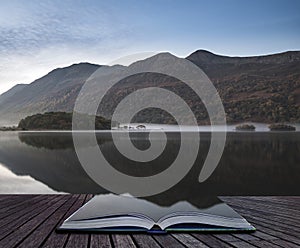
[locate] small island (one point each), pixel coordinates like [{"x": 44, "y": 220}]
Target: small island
[
  {"x": 57, "y": 121},
  {"x": 245, "y": 127},
  {"x": 281, "y": 127}
]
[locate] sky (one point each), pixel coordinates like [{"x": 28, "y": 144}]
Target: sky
[{"x": 39, "y": 36}]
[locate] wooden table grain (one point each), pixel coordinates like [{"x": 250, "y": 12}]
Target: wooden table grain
[{"x": 31, "y": 220}]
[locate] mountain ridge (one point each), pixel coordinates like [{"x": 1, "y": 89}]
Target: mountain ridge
[
  {"x": 11, "y": 91},
  {"x": 47, "y": 93},
  {"x": 250, "y": 87}
]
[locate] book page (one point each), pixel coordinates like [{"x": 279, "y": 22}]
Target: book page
[{"x": 113, "y": 205}]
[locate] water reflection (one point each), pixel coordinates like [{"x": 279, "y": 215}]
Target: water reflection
[
  {"x": 13, "y": 184},
  {"x": 252, "y": 163}
]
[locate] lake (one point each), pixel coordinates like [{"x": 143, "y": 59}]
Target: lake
[{"x": 253, "y": 163}]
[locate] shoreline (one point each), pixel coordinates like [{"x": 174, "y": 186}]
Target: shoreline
[
  {"x": 259, "y": 127},
  {"x": 147, "y": 131}
]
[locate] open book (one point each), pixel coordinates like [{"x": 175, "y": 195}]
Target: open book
[{"x": 124, "y": 213}]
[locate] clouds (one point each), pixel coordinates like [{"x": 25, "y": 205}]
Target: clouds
[
  {"x": 38, "y": 36},
  {"x": 32, "y": 25}
]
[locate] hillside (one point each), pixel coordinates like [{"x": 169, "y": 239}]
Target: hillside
[
  {"x": 260, "y": 89},
  {"x": 56, "y": 91},
  {"x": 8, "y": 94}
]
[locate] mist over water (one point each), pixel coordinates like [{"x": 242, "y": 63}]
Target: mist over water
[{"x": 259, "y": 127}]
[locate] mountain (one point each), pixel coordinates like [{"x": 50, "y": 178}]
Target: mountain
[
  {"x": 53, "y": 92},
  {"x": 258, "y": 88},
  {"x": 203, "y": 57},
  {"x": 11, "y": 92}
]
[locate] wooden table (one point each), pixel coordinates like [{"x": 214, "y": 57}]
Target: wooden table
[{"x": 30, "y": 221}]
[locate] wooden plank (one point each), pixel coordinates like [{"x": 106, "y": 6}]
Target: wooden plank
[
  {"x": 272, "y": 205},
  {"x": 284, "y": 243},
  {"x": 278, "y": 234},
  {"x": 263, "y": 216},
  {"x": 263, "y": 244},
  {"x": 293, "y": 200},
  {"x": 289, "y": 231},
  {"x": 10, "y": 217},
  {"x": 30, "y": 221},
  {"x": 37, "y": 237},
  {"x": 100, "y": 241},
  {"x": 283, "y": 223},
  {"x": 276, "y": 201},
  {"x": 189, "y": 241},
  {"x": 245, "y": 236},
  {"x": 268, "y": 209},
  {"x": 59, "y": 239},
  {"x": 226, "y": 237},
  {"x": 210, "y": 240},
  {"x": 4, "y": 197},
  {"x": 264, "y": 236},
  {"x": 76, "y": 237},
  {"x": 25, "y": 229},
  {"x": 19, "y": 206},
  {"x": 239, "y": 240},
  {"x": 258, "y": 214},
  {"x": 21, "y": 218},
  {"x": 122, "y": 241},
  {"x": 242, "y": 244},
  {"x": 78, "y": 241},
  {"x": 7, "y": 200},
  {"x": 275, "y": 230},
  {"x": 145, "y": 241},
  {"x": 12, "y": 200},
  {"x": 167, "y": 241}
]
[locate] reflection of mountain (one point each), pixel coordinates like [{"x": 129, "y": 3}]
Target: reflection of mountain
[
  {"x": 255, "y": 164},
  {"x": 261, "y": 88},
  {"x": 58, "y": 168}
]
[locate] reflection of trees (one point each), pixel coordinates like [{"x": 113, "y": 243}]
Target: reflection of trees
[
  {"x": 56, "y": 141},
  {"x": 259, "y": 163},
  {"x": 252, "y": 164},
  {"x": 48, "y": 141},
  {"x": 262, "y": 146}
]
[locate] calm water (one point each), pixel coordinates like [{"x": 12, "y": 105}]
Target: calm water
[{"x": 261, "y": 163}]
